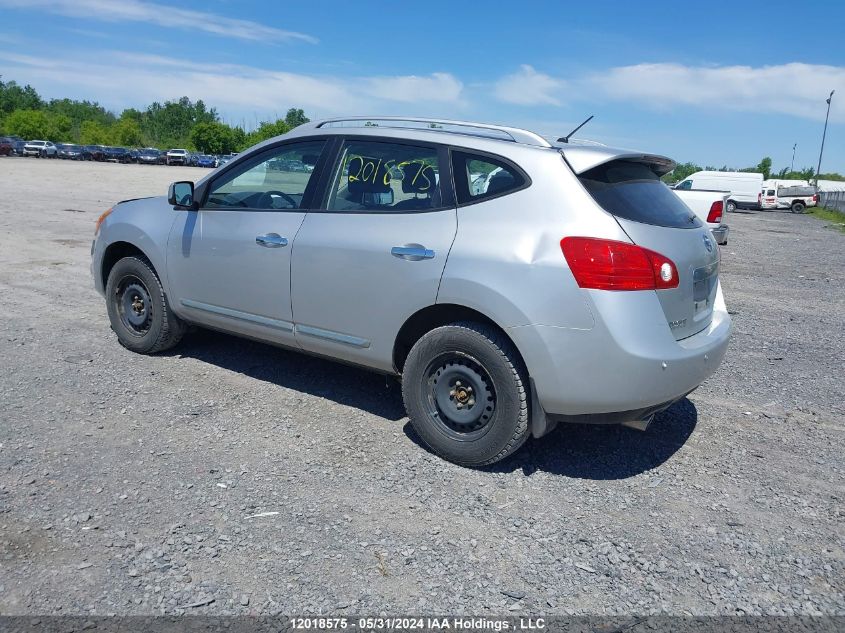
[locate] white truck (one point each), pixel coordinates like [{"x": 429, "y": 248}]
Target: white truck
[
  {"x": 177, "y": 157},
  {"x": 743, "y": 187},
  {"x": 795, "y": 195},
  {"x": 709, "y": 207}
]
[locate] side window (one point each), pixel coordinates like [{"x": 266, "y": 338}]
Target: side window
[
  {"x": 478, "y": 177},
  {"x": 685, "y": 186},
  {"x": 277, "y": 182},
  {"x": 386, "y": 177}
]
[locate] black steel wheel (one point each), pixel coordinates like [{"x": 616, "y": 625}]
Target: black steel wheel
[
  {"x": 134, "y": 305},
  {"x": 465, "y": 389},
  {"x": 461, "y": 395}
]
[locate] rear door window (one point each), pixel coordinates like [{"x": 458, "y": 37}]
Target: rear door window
[
  {"x": 479, "y": 177},
  {"x": 633, "y": 191},
  {"x": 381, "y": 177}
]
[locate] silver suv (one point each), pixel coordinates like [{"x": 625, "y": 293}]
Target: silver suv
[
  {"x": 40, "y": 149},
  {"x": 513, "y": 283}
]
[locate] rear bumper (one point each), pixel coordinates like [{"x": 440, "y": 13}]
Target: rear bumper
[
  {"x": 720, "y": 233},
  {"x": 626, "y": 367}
]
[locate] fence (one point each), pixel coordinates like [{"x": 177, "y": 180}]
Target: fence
[{"x": 832, "y": 200}]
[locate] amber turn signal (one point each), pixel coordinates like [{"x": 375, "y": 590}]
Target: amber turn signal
[{"x": 100, "y": 220}]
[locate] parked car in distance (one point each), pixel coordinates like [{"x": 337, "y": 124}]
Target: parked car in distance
[
  {"x": 133, "y": 155},
  {"x": 795, "y": 195},
  {"x": 6, "y": 146},
  {"x": 96, "y": 152},
  {"x": 150, "y": 156},
  {"x": 222, "y": 160},
  {"x": 70, "y": 151},
  {"x": 40, "y": 149},
  {"x": 117, "y": 154},
  {"x": 204, "y": 160},
  {"x": 709, "y": 207},
  {"x": 17, "y": 147},
  {"x": 576, "y": 287},
  {"x": 178, "y": 157},
  {"x": 743, "y": 186}
]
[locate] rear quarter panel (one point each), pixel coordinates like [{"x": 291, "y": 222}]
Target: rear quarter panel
[{"x": 506, "y": 261}]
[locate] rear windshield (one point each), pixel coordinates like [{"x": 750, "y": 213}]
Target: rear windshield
[{"x": 633, "y": 191}]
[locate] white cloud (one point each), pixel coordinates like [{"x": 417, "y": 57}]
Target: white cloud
[
  {"x": 529, "y": 87},
  {"x": 435, "y": 87},
  {"x": 161, "y": 15},
  {"x": 795, "y": 89},
  {"x": 119, "y": 79}
]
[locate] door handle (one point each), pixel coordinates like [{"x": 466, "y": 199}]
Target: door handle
[
  {"x": 412, "y": 252},
  {"x": 271, "y": 240}
]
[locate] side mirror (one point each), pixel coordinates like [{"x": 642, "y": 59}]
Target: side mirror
[{"x": 181, "y": 194}]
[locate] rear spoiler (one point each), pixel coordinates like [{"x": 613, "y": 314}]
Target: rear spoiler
[{"x": 584, "y": 158}]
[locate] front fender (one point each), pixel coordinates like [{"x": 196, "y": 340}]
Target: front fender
[{"x": 144, "y": 224}]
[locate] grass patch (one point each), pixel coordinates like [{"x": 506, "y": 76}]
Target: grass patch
[{"x": 836, "y": 218}]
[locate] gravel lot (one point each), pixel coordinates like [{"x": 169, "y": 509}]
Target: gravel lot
[{"x": 136, "y": 485}]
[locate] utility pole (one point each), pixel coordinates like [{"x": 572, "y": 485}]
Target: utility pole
[
  {"x": 819, "y": 168},
  {"x": 792, "y": 166}
]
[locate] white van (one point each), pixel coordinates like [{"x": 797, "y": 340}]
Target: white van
[{"x": 744, "y": 187}]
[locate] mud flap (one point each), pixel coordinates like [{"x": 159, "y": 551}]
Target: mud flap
[{"x": 540, "y": 423}]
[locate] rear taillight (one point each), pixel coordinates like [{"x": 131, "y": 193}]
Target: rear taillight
[
  {"x": 611, "y": 265},
  {"x": 815, "y": 197},
  {"x": 715, "y": 214}
]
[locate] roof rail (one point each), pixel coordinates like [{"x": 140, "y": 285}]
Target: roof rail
[{"x": 512, "y": 134}]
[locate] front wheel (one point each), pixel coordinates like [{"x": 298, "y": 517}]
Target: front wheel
[
  {"x": 731, "y": 206},
  {"x": 465, "y": 391},
  {"x": 138, "y": 309},
  {"x": 798, "y": 207}
]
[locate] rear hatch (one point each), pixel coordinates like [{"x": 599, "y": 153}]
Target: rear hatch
[{"x": 628, "y": 186}]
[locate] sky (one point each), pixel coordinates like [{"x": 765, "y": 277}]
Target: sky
[{"x": 721, "y": 83}]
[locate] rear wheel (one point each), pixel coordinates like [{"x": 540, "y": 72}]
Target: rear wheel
[
  {"x": 798, "y": 206},
  {"x": 464, "y": 388},
  {"x": 138, "y": 308}
]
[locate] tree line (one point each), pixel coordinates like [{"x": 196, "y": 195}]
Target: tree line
[
  {"x": 194, "y": 126},
  {"x": 178, "y": 123},
  {"x": 682, "y": 170}
]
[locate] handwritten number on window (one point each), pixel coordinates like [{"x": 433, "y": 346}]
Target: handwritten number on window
[{"x": 365, "y": 169}]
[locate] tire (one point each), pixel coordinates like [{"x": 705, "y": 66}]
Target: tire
[
  {"x": 730, "y": 207},
  {"x": 452, "y": 370},
  {"x": 798, "y": 207},
  {"x": 138, "y": 309}
]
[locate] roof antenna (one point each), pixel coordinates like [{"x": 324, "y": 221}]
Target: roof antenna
[{"x": 565, "y": 139}]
